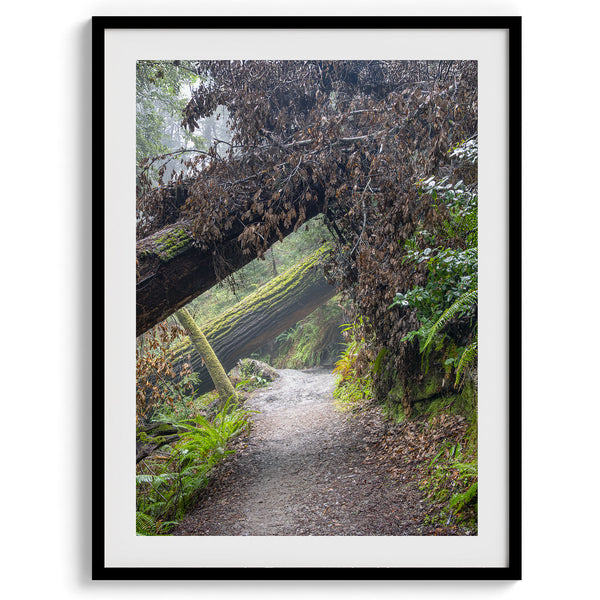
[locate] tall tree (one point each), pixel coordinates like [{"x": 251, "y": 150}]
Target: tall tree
[{"x": 163, "y": 89}]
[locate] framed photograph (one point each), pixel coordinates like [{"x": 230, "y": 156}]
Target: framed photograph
[{"x": 291, "y": 268}]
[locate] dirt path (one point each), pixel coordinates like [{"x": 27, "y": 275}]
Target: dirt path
[{"x": 306, "y": 469}]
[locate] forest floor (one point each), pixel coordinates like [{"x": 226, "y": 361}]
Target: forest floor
[{"x": 307, "y": 468}]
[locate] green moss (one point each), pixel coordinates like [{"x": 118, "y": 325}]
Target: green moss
[
  {"x": 429, "y": 397},
  {"x": 202, "y": 346},
  {"x": 351, "y": 394},
  {"x": 377, "y": 364},
  {"x": 268, "y": 296},
  {"x": 169, "y": 245},
  {"x": 155, "y": 439},
  {"x": 444, "y": 404},
  {"x": 394, "y": 411},
  {"x": 468, "y": 398},
  {"x": 396, "y": 394},
  {"x": 164, "y": 429}
]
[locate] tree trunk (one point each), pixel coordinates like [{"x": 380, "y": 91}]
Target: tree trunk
[
  {"x": 275, "y": 273},
  {"x": 172, "y": 269},
  {"x": 203, "y": 348},
  {"x": 263, "y": 315}
]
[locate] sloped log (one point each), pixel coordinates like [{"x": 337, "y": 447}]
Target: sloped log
[
  {"x": 202, "y": 346},
  {"x": 172, "y": 270},
  {"x": 263, "y": 315}
]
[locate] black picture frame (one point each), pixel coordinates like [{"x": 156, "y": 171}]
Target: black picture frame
[{"x": 514, "y": 564}]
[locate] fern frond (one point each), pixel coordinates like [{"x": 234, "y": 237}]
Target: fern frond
[
  {"x": 467, "y": 300},
  {"x": 143, "y": 478},
  {"x": 467, "y": 357},
  {"x": 156, "y": 508},
  {"x": 459, "y": 501},
  {"x": 144, "y": 524},
  {"x": 466, "y": 470}
]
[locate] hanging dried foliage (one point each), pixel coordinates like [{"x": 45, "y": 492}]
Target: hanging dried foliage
[{"x": 349, "y": 139}]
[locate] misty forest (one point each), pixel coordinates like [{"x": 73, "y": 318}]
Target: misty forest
[{"x": 306, "y": 298}]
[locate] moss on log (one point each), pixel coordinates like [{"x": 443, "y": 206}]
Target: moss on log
[
  {"x": 152, "y": 437},
  {"x": 263, "y": 315},
  {"x": 203, "y": 348},
  {"x": 172, "y": 268}
]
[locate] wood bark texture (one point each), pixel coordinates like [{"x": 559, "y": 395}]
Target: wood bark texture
[
  {"x": 172, "y": 268},
  {"x": 263, "y": 315}
]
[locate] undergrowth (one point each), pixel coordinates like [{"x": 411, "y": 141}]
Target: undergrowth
[
  {"x": 168, "y": 482},
  {"x": 449, "y": 479},
  {"x": 353, "y": 386},
  {"x": 313, "y": 341},
  {"x": 451, "y": 482}
]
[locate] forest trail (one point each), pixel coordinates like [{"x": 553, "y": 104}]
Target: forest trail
[{"x": 306, "y": 469}]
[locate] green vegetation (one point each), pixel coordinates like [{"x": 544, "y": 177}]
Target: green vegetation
[
  {"x": 264, "y": 314},
  {"x": 313, "y": 341},
  {"x": 450, "y": 253},
  {"x": 169, "y": 482},
  {"x": 353, "y": 384},
  {"x": 200, "y": 343},
  {"x": 160, "y": 100},
  {"x": 275, "y": 288},
  {"x": 451, "y": 481},
  {"x": 169, "y": 245},
  {"x": 444, "y": 380},
  {"x": 170, "y": 479}
]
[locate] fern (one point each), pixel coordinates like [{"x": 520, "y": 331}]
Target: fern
[
  {"x": 148, "y": 478},
  {"x": 144, "y": 478},
  {"x": 148, "y": 525},
  {"x": 459, "y": 501},
  {"x": 156, "y": 508},
  {"x": 165, "y": 495},
  {"x": 467, "y": 357},
  {"x": 466, "y": 301},
  {"x": 466, "y": 469},
  {"x": 144, "y": 524}
]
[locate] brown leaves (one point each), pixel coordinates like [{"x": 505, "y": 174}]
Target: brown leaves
[
  {"x": 414, "y": 442},
  {"x": 348, "y": 138},
  {"x": 157, "y": 382}
]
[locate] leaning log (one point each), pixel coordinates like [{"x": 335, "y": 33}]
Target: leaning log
[
  {"x": 172, "y": 268},
  {"x": 202, "y": 347},
  {"x": 263, "y": 315}
]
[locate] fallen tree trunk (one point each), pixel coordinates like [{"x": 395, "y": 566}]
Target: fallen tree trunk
[
  {"x": 263, "y": 315},
  {"x": 172, "y": 269}
]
